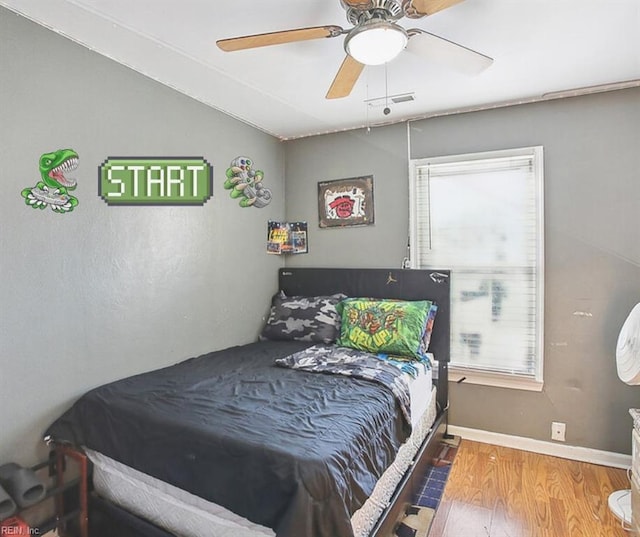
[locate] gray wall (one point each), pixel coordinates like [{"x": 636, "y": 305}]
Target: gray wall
[
  {"x": 381, "y": 153},
  {"x": 592, "y": 198},
  {"x": 104, "y": 292}
]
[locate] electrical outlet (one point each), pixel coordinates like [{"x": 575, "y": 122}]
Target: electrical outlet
[{"x": 558, "y": 430}]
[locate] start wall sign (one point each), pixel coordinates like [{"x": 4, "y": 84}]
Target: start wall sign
[{"x": 155, "y": 180}]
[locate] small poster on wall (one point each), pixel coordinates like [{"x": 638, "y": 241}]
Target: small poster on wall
[
  {"x": 346, "y": 202},
  {"x": 287, "y": 238}
]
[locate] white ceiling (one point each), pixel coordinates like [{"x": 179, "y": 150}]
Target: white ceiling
[{"x": 538, "y": 47}]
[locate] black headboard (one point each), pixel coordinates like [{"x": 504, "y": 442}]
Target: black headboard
[{"x": 403, "y": 284}]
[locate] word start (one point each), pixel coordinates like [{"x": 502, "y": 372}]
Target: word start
[{"x": 155, "y": 181}]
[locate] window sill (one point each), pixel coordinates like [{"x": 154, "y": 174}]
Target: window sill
[{"x": 457, "y": 374}]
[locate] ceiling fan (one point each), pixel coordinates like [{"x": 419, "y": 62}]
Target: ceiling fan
[{"x": 375, "y": 39}]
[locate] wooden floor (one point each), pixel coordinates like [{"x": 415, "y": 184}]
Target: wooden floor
[{"x": 501, "y": 492}]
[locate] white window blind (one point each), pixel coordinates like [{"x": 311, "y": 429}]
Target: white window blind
[{"x": 480, "y": 215}]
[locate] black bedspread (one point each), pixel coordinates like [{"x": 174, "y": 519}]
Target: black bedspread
[{"x": 295, "y": 451}]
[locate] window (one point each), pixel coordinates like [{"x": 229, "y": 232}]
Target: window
[{"x": 481, "y": 215}]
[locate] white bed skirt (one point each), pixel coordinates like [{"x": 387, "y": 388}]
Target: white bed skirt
[{"x": 186, "y": 515}]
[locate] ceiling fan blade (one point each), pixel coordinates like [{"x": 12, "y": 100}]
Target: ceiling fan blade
[
  {"x": 429, "y": 7},
  {"x": 441, "y": 50},
  {"x": 358, "y": 4},
  {"x": 345, "y": 79},
  {"x": 278, "y": 38}
]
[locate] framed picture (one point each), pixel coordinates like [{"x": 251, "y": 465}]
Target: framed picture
[
  {"x": 346, "y": 202},
  {"x": 287, "y": 238}
]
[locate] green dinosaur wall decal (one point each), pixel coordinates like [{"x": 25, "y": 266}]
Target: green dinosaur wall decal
[{"x": 53, "y": 188}]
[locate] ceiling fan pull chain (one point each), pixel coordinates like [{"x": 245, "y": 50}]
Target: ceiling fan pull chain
[{"x": 386, "y": 110}]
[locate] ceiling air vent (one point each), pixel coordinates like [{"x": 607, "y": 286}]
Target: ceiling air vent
[
  {"x": 393, "y": 99},
  {"x": 403, "y": 98}
]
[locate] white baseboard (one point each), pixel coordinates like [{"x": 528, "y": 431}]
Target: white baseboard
[{"x": 594, "y": 456}]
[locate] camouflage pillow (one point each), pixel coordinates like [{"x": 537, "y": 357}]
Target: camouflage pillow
[
  {"x": 394, "y": 327},
  {"x": 426, "y": 337},
  {"x": 303, "y": 318}
]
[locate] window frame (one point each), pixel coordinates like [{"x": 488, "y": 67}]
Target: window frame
[{"x": 485, "y": 376}]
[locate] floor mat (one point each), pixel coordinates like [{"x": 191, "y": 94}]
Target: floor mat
[{"x": 419, "y": 516}]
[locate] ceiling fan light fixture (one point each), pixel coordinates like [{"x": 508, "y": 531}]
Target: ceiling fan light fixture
[{"x": 376, "y": 42}]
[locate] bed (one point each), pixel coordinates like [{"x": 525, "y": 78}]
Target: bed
[{"x": 256, "y": 441}]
